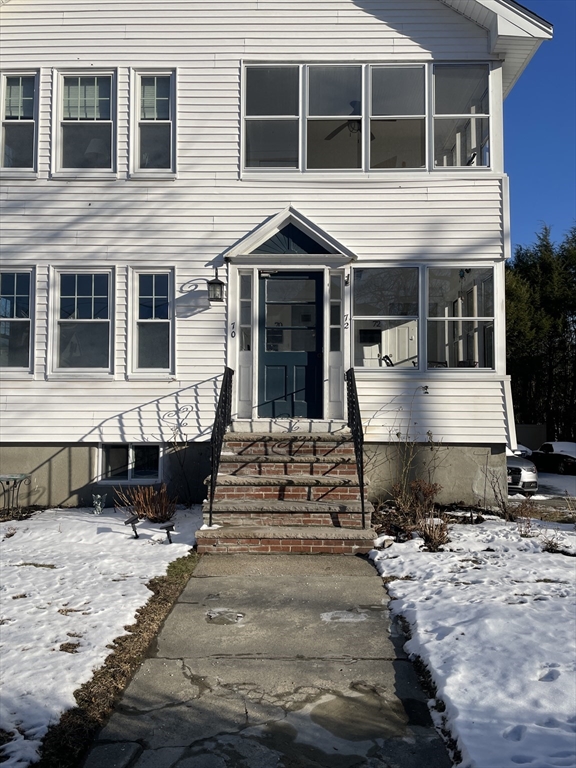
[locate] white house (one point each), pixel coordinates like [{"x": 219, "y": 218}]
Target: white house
[{"x": 338, "y": 162}]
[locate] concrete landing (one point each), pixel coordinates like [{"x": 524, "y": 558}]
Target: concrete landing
[{"x": 288, "y": 662}]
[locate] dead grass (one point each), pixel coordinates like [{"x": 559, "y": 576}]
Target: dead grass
[{"x": 65, "y": 743}]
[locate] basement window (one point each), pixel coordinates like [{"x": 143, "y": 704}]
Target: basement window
[{"x": 130, "y": 463}]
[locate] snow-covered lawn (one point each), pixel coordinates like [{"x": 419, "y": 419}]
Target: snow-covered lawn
[
  {"x": 69, "y": 577},
  {"x": 494, "y": 619}
]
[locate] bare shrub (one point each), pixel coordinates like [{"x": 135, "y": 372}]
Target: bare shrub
[
  {"x": 413, "y": 511},
  {"x": 550, "y": 539},
  {"x": 148, "y": 503}
]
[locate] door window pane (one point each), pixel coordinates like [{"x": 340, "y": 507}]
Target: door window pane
[{"x": 290, "y": 290}]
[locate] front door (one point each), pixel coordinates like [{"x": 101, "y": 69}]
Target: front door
[{"x": 290, "y": 348}]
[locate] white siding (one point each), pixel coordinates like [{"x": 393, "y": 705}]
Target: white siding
[{"x": 188, "y": 222}]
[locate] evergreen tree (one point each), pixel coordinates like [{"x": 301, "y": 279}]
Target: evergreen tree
[{"x": 541, "y": 334}]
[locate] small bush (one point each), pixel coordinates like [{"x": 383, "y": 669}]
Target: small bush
[
  {"x": 412, "y": 510},
  {"x": 148, "y": 503}
]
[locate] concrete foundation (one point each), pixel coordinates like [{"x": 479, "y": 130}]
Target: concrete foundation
[
  {"x": 466, "y": 474},
  {"x": 64, "y": 475}
]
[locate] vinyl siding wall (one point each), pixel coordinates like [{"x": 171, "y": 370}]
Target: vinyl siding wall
[{"x": 186, "y": 223}]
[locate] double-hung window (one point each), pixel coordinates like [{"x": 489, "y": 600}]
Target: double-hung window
[
  {"x": 366, "y": 117},
  {"x": 87, "y": 114},
  {"x": 156, "y": 122},
  {"x": 84, "y": 321},
  {"x": 153, "y": 349},
  {"x": 460, "y": 327},
  {"x": 19, "y": 117},
  {"x": 15, "y": 306},
  {"x": 385, "y": 309}
]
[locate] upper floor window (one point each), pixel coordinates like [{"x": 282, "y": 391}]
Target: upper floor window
[
  {"x": 87, "y": 122},
  {"x": 365, "y": 117},
  {"x": 19, "y": 121},
  {"x": 15, "y": 288},
  {"x": 84, "y": 321},
  {"x": 154, "y": 322},
  {"x": 155, "y": 141}
]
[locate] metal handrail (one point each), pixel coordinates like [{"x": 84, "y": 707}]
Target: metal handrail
[
  {"x": 355, "y": 426},
  {"x": 222, "y": 420}
]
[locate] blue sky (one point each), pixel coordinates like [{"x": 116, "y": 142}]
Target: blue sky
[{"x": 539, "y": 131}]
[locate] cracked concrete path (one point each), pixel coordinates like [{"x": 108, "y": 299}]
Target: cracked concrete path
[{"x": 274, "y": 661}]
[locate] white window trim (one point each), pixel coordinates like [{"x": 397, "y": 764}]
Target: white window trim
[
  {"x": 136, "y": 172},
  {"x": 56, "y": 170},
  {"x": 156, "y": 374},
  {"x": 367, "y": 173},
  {"x": 499, "y": 368},
  {"x": 21, "y": 173},
  {"x": 54, "y": 311},
  {"x": 24, "y": 373},
  {"x": 120, "y": 482}
]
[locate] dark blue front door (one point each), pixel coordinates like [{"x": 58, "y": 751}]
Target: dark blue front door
[{"x": 290, "y": 355}]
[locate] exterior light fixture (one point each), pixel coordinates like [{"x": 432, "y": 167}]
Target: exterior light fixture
[
  {"x": 215, "y": 290},
  {"x": 132, "y": 520}
]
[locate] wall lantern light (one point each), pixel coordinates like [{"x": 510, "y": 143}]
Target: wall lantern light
[{"x": 215, "y": 290}]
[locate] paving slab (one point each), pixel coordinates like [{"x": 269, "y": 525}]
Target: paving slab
[{"x": 291, "y": 663}]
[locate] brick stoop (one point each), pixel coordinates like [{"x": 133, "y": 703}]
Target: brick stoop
[
  {"x": 273, "y": 483},
  {"x": 285, "y": 540}
]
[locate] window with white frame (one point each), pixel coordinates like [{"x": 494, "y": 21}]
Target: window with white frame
[
  {"x": 460, "y": 317},
  {"x": 370, "y": 117},
  {"x": 19, "y": 121},
  {"x": 385, "y": 317},
  {"x": 130, "y": 462},
  {"x": 156, "y": 122},
  {"x": 15, "y": 311},
  {"x": 461, "y": 115},
  {"x": 153, "y": 348},
  {"x": 84, "y": 321},
  {"x": 87, "y": 114}
]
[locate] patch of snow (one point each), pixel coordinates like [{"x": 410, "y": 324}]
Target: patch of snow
[
  {"x": 70, "y": 577},
  {"x": 494, "y": 619}
]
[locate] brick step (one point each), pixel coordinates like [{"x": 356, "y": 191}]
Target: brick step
[
  {"x": 275, "y": 458},
  {"x": 286, "y": 513},
  {"x": 287, "y": 469},
  {"x": 286, "y": 493},
  {"x": 287, "y": 540},
  {"x": 309, "y": 444},
  {"x": 285, "y": 481}
]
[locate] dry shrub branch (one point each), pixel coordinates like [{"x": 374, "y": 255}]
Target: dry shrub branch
[{"x": 147, "y": 502}]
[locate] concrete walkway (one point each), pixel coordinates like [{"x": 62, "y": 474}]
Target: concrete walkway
[{"x": 274, "y": 660}]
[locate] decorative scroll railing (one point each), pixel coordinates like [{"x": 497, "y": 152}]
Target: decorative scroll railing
[
  {"x": 221, "y": 421},
  {"x": 355, "y": 425}
]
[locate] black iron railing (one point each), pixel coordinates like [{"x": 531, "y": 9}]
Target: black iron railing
[
  {"x": 355, "y": 425},
  {"x": 222, "y": 420}
]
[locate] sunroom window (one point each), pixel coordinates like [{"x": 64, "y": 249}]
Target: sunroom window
[
  {"x": 460, "y": 324},
  {"x": 87, "y": 122},
  {"x": 461, "y": 122},
  {"x": 398, "y": 122},
  {"x": 84, "y": 321},
  {"x": 15, "y": 320},
  {"x": 131, "y": 463},
  {"x": 19, "y": 122},
  {"x": 385, "y": 314}
]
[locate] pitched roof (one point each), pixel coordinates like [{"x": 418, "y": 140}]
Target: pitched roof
[{"x": 515, "y": 32}]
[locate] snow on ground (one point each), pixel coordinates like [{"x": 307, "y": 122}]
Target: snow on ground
[
  {"x": 69, "y": 576},
  {"x": 494, "y": 620}
]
